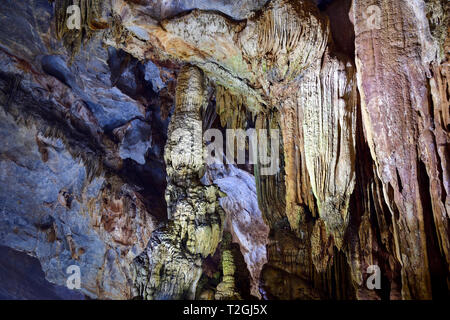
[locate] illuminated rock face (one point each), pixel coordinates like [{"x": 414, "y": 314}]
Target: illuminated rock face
[
  {"x": 196, "y": 221},
  {"x": 359, "y": 93}
]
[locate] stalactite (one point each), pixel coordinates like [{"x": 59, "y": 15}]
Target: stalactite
[
  {"x": 90, "y": 11},
  {"x": 231, "y": 109},
  {"x": 328, "y": 98},
  {"x": 285, "y": 44},
  {"x": 226, "y": 290}
]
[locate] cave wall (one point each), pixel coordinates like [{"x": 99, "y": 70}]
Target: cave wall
[
  {"x": 349, "y": 202},
  {"x": 359, "y": 96}
]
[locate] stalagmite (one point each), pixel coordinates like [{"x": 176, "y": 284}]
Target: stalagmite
[{"x": 174, "y": 255}]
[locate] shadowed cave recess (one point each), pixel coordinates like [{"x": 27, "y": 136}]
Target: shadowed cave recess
[{"x": 102, "y": 159}]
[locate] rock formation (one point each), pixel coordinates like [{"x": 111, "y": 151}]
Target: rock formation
[
  {"x": 195, "y": 223},
  {"x": 103, "y": 166}
]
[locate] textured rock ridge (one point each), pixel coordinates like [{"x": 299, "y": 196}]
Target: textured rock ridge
[
  {"x": 66, "y": 195},
  {"x": 329, "y": 101}
]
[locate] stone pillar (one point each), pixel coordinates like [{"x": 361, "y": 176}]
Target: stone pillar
[{"x": 171, "y": 266}]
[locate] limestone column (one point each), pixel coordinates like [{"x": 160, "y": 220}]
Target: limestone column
[{"x": 171, "y": 266}]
